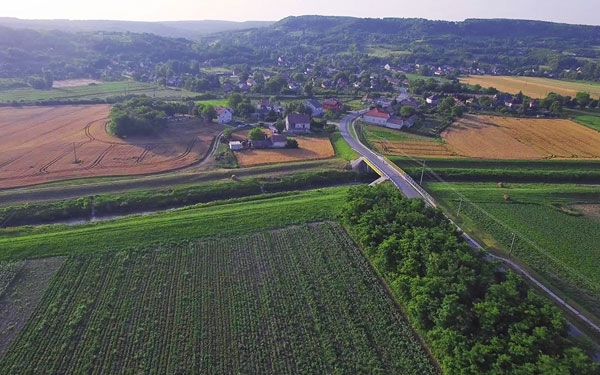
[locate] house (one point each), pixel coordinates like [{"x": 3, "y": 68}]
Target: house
[
  {"x": 278, "y": 140},
  {"x": 376, "y": 116},
  {"x": 434, "y": 99},
  {"x": 399, "y": 122},
  {"x": 297, "y": 123},
  {"x": 235, "y": 145},
  {"x": 224, "y": 115},
  {"x": 315, "y": 107},
  {"x": 332, "y": 105},
  {"x": 262, "y": 143}
]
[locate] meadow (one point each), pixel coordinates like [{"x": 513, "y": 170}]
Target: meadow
[
  {"x": 216, "y": 219},
  {"x": 552, "y": 236},
  {"x": 534, "y": 87},
  {"x": 98, "y": 91},
  {"x": 300, "y": 300}
]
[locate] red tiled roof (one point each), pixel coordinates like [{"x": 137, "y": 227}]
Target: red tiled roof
[{"x": 377, "y": 112}]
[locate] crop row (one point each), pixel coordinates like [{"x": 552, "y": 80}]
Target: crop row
[
  {"x": 298, "y": 300},
  {"x": 8, "y": 270}
]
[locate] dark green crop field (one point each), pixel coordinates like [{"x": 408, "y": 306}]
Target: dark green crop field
[{"x": 302, "y": 300}]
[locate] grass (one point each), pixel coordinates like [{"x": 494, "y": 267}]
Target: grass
[
  {"x": 214, "y": 102},
  {"x": 342, "y": 148},
  {"x": 551, "y": 237},
  {"x": 302, "y": 300},
  {"x": 219, "y": 219},
  {"x": 89, "y": 92},
  {"x": 589, "y": 121},
  {"x": 502, "y": 170}
]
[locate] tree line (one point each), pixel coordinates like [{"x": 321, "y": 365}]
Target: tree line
[{"x": 476, "y": 317}]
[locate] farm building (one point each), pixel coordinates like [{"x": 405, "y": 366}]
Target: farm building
[
  {"x": 278, "y": 140},
  {"x": 315, "y": 106},
  {"x": 297, "y": 123},
  {"x": 332, "y": 105},
  {"x": 376, "y": 116},
  {"x": 235, "y": 145}
]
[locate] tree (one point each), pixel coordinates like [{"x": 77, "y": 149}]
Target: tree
[
  {"x": 556, "y": 108},
  {"x": 256, "y": 134},
  {"x": 407, "y": 111},
  {"x": 227, "y": 134},
  {"x": 234, "y": 99},
  {"x": 291, "y": 143},
  {"x": 280, "y": 126},
  {"x": 583, "y": 99},
  {"x": 209, "y": 112}
]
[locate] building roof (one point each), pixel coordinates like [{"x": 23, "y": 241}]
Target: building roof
[
  {"x": 221, "y": 110},
  {"x": 315, "y": 103},
  {"x": 278, "y": 138},
  {"x": 378, "y": 112},
  {"x": 298, "y": 118}
]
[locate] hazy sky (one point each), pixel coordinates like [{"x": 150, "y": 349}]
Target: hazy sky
[{"x": 569, "y": 11}]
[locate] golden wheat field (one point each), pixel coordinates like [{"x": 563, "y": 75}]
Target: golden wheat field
[
  {"x": 533, "y": 87},
  {"x": 495, "y": 137}
]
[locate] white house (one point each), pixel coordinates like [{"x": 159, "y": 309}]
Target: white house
[
  {"x": 224, "y": 115},
  {"x": 376, "y": 116},
  {"x": 235, "y": 145},
  {"x": 315, "y": 107},
  {"x": 297, "y": 123}
]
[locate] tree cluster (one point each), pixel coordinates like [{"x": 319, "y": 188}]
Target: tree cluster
[
  {"x": 141, "y": 116},
  {"x": 476, "y": 318}
]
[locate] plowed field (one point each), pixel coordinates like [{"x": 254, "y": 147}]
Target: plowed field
[
  {"x": 51, "y": 143},
  {"x": 308, "y": 148}
]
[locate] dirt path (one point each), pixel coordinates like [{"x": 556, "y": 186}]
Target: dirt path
[{"x": 23, "y": 295}]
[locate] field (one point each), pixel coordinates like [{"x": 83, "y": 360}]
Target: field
[
  {"x": 554, "y": 235},
  {"x": 72, "y": 90},
  {"x": 299, "y": 300},
  {"x": 25, "y": 283},
  {"x": 221, "y": 218},
  {"x": 394, "y": 142},
  {"x": 493, "y": 137},
  {"x": 534, "y": 87},
  {"x": 50, "y": 143},
  {"x": 309, "y": 148}
]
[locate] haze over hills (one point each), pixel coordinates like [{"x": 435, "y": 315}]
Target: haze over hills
[{"x": 173, "y": 29}]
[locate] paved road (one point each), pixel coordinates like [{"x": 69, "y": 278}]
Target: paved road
[
  {"x": 412, "y": 191},
  {"x": 390, "y": 172}
]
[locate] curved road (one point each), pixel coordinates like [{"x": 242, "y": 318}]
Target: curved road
[{"x": 412, "y": 191}]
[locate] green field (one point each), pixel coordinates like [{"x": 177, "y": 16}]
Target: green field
[
  {"x": 218, "y": 219},
  {"x": 589, "y": 121},
  {"x": 502, "y": 170},
  {"x": 551, "y": 237},
  {"x": 341, "y": 147},
  {"x": 90, "y": 92},
  {"x": 299, "y": 300}
]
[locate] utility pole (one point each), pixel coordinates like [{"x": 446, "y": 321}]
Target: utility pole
[
  {"x": 75, "y": 153},
  {"x": 512, "y": 243},
  {"x": 422, "y": 172}
]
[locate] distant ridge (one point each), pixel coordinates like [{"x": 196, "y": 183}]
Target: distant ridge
[{"x": 173, "y": 29}]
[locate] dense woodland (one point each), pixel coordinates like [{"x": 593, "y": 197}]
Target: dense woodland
[
  {"x": 476, "y": 317},
  {"x": 499, "y": 46}
]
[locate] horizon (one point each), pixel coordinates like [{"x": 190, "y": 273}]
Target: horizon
[{"x": 580, "y": 12}]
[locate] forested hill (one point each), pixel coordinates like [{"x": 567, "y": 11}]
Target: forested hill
[
  {"x": 174, "y": 29},
  {"x": 500, "y": 46}
]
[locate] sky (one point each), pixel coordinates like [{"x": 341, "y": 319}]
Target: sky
[{"x": 571, "y": 11}]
